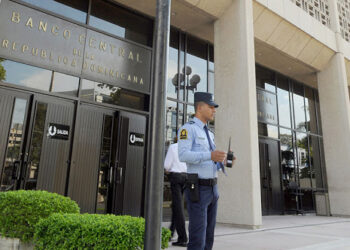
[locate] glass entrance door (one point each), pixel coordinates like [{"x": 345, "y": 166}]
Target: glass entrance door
[
  {"x": 107, "y": 167},
  {"x": 30, "y": 156},
  {"x": 13, "y": 123},
  {"x": 270, "y": 177}
]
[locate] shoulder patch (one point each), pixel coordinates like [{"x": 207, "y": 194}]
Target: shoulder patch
[
  {"x": 191, "y": 122},
  {"x": 183, "y": 134}
]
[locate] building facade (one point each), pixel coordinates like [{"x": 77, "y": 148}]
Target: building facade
[{"x": 75, "y": 91}]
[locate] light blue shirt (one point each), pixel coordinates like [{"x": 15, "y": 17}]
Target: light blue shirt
[{"x": 194, "y": 149}]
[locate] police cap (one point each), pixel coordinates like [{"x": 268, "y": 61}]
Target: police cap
[{"x": 205, "y": 97}]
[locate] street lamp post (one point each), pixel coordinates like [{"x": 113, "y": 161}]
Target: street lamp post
[{"x": 155, "y": 172}]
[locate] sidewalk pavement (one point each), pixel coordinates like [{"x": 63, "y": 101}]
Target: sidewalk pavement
[{"x": 295, "y": 232}]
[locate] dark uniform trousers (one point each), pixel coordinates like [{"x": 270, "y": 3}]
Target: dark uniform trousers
[
  {"x": 177, "y": 184},
  {"x": 202, "y": 218}
]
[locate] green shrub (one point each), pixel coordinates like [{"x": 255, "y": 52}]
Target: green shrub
[
  {"x": 92, "y": 231},
  {"x": 21, "y": 210}
]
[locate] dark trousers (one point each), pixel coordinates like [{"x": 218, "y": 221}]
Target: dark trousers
[
  {"x": 202, "y": 216},
  {"x": 177, "y": 182}
]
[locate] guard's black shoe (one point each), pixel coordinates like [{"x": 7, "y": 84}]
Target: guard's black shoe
[{"x": 180, "y": 244}]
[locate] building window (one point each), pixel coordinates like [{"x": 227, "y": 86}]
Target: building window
[
  {"x": 110, "y": 94},
  {"x": 73, "y": 9},
  {"x": 118, "y": 21},
  {"x": 300, "y": 136},
  {"x": 25, "y": 75}
]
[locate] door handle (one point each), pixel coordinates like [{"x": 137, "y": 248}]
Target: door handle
[
  {"x": 110, "y": 175},
  {"x": 119, "y": 175},
  {"x": 15, "y": 171}
]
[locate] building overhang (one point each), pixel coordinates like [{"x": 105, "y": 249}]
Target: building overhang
[{"x": 298, "y": 49}]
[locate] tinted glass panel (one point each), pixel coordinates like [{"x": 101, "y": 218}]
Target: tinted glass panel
[
  {"x": 74, "y": 9},
  {"x": 299, "y": 107},
  {"x": 27, "y": 76},
  {"x": 15, "y": 139},
  {"x": 65, "y": 84},
  {"x": 268, "y": 130},
  {"x": 283, "y": 101},
  {"x": 289, "y": 180},
  {"x": 318, "y": 112},
  {"x": 315, "y": 162},
  {"x": 105, "y": 163},
  {"x": 190, "y": 112},
  {"x": 211, "y": 82},
  {"x": 182, "y": 65},
  {"x": 120, "y": 22},
  {"x": 105, "y": 93},
  {"x": 265, "y": 79},
  {"x": 211, "y": 57},
  {"x": 310, "y": 108},
  {"x": 303, "y": 160},
  {"x": 173, "y": 76},
  {"x": 170, "y": 127},
  {"x": 323, "y": 163},
  {"x": 196, "y": 70},
  {"x": 181, "y": 115},
  {"x": 36, "y": 146}
]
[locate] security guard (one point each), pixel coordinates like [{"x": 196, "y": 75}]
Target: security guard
[{"x": 197, "y": 148}]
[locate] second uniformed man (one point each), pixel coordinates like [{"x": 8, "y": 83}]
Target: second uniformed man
[{"x": 197, "y": 149}]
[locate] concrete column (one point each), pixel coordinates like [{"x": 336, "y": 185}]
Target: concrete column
[
  {"x": 335, "y": 117},
  {"x": 235, "y": 92}
]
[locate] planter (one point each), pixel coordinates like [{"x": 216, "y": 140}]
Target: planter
[{"x": 14, "y": 244}]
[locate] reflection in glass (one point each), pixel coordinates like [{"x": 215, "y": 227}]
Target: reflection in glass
[
  {"x": 105, "y": 163},
  {"x": 27, "y": 76},
  {"x": 74, "y": 9},
  {"x": 171, "y": 126},
  {"x": 173, "y": 76},
  {"x": 283, "y": 101},
  {"x": 190, "y": 112},
  {"x": 121, "y": 22},
  {"x": 289, "y": 179},
  {"x": 106, "y": 93},
  {"x": 65, "y": 84},
  {"x": 182, "y": 63},
  {"x": 318, "y": 112},
  {"x": 268, "y": 130},
  {"x": 310, "y": 109},
  {"x": 315, "y": 162},
  {"x": 303, "y": 160},
  {"x": 2, "y": 70},
  {"x": 13, "y": 155},
  {"x": 36, "y": 146},
  {"x": 265, "y": 79},
  {"x": 195, "y": 73},
  {"x": 299, "y": 107},
  {"x": 211, "y": 82},
  {"x": 180, "y": 121},
  {"x": 211, "y": 57}
]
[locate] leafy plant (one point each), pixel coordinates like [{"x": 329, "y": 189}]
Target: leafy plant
[
  {"x": 92, "y": 231},
  {"x": 21, "y": 210}
]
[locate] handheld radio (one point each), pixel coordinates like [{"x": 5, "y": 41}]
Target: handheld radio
[{"x": 230, "y": 155}]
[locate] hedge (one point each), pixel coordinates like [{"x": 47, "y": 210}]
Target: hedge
[
  {"x": 92, "y": 231},
  {"x": 21, "y": 210}
]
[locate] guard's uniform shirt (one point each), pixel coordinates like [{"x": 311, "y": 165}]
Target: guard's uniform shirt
[{"x": 194, "y": 149}]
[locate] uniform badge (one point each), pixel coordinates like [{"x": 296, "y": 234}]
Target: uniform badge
[{"x": 183, "y": 134}]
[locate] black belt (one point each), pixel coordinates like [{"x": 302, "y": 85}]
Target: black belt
[{"x": 207, "y": 182}]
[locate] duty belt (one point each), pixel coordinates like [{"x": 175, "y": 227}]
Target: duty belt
[{"x": 207, "y": 182}]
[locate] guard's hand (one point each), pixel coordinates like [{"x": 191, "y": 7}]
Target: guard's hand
[{"x": 218, "y": 156}]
